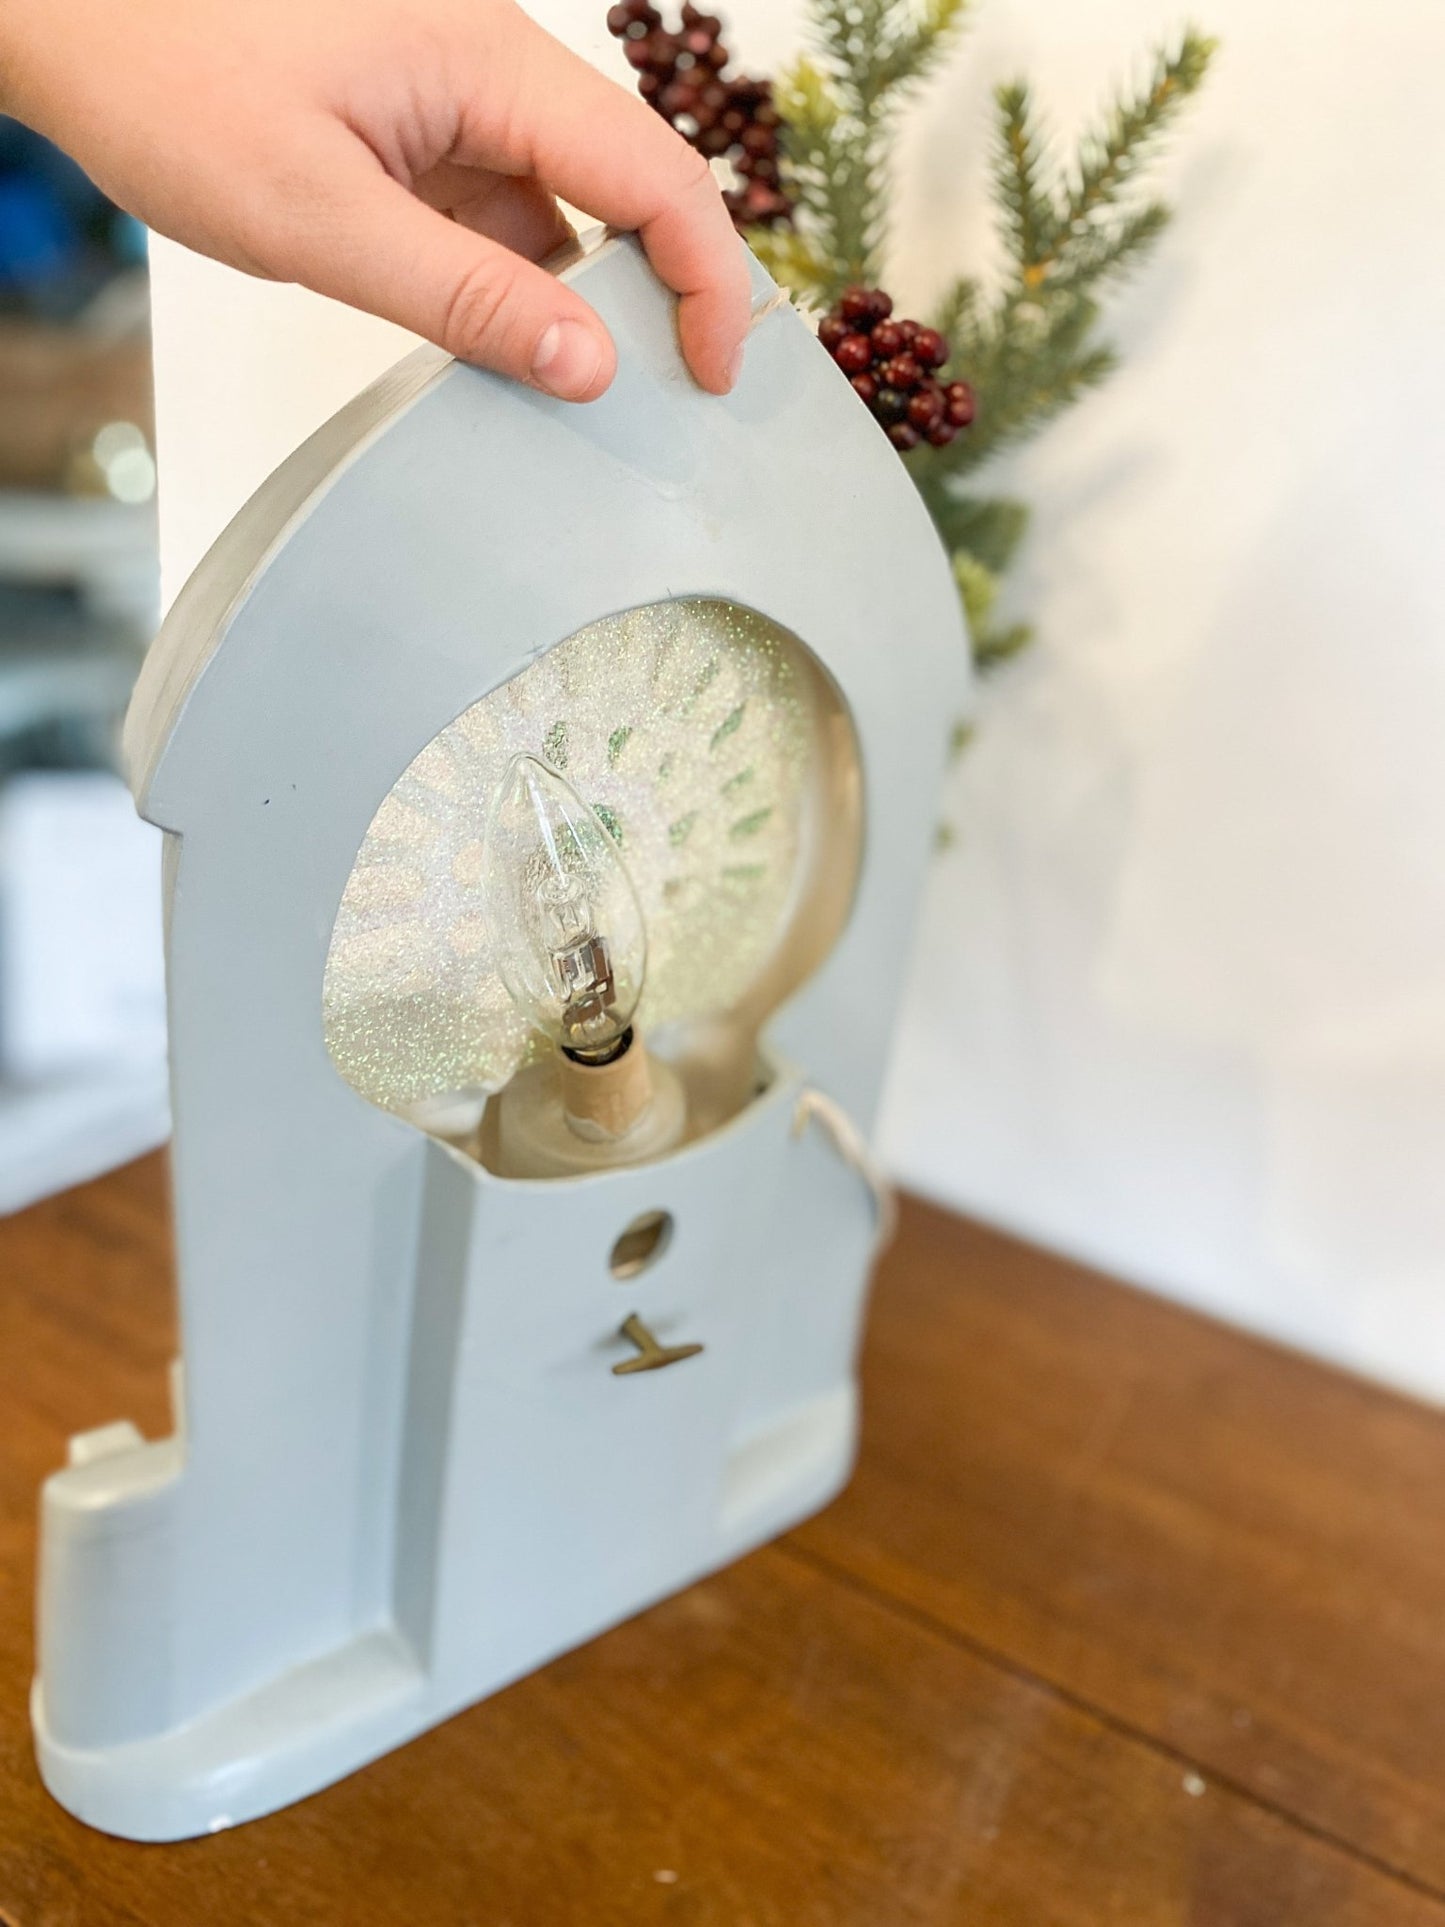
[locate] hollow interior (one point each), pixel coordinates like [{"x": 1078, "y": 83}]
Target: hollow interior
[{"x": 717, "y": 753}]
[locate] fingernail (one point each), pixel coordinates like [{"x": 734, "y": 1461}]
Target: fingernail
[
  {"x": 735, "y": 366},
  {"x": 567, "y": 360}
]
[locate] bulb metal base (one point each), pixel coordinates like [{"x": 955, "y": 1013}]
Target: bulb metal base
[{"x": 608, "y": 1054}]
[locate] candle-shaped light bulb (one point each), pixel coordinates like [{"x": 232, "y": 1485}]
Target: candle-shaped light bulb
[{"x": 567, "y": 928}]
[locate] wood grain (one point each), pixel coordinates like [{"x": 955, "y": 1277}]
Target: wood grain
[
  {"x": 1237, "y": 1552},
  {"x": 790, "y": 1743}
]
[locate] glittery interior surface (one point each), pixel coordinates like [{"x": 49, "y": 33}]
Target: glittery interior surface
[{"x": 688, "y": 728}]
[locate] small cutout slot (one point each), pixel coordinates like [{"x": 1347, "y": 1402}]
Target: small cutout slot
[{"x": 641, "y": 1244}]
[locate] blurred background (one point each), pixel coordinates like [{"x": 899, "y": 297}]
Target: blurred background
[
  {"x": 81, "y": 1007},
  {"x": 1178, "y": 1002}
]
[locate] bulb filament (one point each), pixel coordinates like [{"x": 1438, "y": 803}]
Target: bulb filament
[{"x": 583, "y": 971}]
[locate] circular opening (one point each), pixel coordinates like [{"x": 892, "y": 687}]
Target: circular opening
[
  {"x": 641, "y": 1244},
  {"x": 718, "y": 756}
]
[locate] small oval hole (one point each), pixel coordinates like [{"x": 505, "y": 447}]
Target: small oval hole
[{"x": 641, "y": 1244}]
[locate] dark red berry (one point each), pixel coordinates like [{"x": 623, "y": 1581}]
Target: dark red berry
[
  {"x": 650, "y": 50},
  {"x": 758, "y": 204},
  {"x": 902, "y": 371},
  {"x": 926, "y": 405},
  {"x": 890, "y": 406},
  {"x": 962, "y": 403},
  {"x": 681, "y": 74},
  {"x": 854, "y": 354},
  {"x": 930, "y": 348},
  {"x": 890, "y": 364}
]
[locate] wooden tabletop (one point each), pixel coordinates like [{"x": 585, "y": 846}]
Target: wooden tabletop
[{"x": 1125, "y": 1619}]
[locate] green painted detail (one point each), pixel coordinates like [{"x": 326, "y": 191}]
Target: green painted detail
[
  {"x": 616, "y": 743},
  {"x": 738, "y": 782},
  {"x": 750, "y": 825},
  {"x": 729, "y": 726},
  {"x": 554, "y": 744},
  {"x": 681, "y": 830},
  {"x": 610, "y": 822},
  {"x": 706, "y": 677}
]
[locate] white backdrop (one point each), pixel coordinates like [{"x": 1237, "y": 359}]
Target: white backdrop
[{"x": 1179, "y": 1000}]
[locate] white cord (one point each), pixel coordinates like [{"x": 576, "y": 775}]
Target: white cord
[{"x": 850, "y": 1144}]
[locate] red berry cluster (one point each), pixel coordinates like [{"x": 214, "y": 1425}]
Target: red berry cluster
[
  {"x": 893, "y": 366},
  {"x": 680, "y": 74}
]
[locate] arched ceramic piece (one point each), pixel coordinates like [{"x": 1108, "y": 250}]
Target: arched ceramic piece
[{"x": 406, "y": 1472}]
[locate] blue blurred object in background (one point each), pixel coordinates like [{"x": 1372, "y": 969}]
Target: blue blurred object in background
[{"x": 61, "y": 240}]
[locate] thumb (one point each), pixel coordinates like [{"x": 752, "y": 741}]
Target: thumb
[{"x": 384, "y": 250}]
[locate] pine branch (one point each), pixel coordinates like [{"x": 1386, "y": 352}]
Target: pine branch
[
  {"x": 1031, "y": 351},
  {"x": 835, "y": 177},
  {"x": 878, "y": 46},
  {"x": 793, "y": 264},
  {"x": 1030, "y": 221},
  {"x": 1066, "y": 240},
  {"x": 850, "y": 35},
  {"x": 990, "y": 528},
  {"x": 957, "y": 316},
  {"x": 837, "y": 111},
  {"x": 1108, "y": 253},
  {"x": 1055, "y": 387},
  {"x": 978, "y": 590},
  {"x": 1110, "y": 157},
  {"x": 918, "y": 45},
  {"x": 1033, "y": 354},
  {"x": 1034, "y": 361},
  {"x": 995, "y": 646},
  {"x": 803, "y": 94}
]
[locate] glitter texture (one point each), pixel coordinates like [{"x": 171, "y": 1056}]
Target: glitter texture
[{"x": 687, "y": 726}]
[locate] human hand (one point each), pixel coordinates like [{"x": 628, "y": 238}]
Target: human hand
[{"x": 328, "y": 142}]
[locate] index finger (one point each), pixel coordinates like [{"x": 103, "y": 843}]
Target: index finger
[{"x": 610, "y": 154}]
